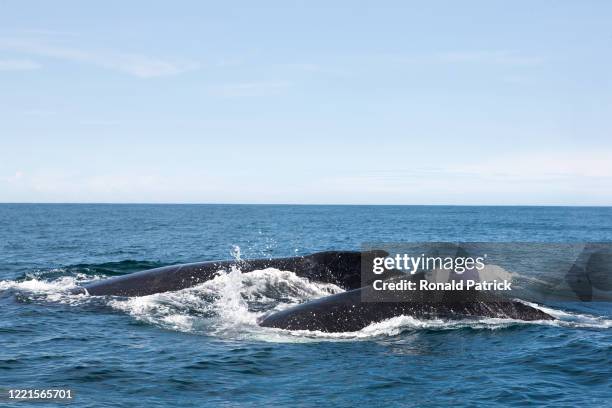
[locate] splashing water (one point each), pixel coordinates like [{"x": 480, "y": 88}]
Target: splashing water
[
  {"x": 235, "y": 252},
  {"x": 230, "y": 305}
]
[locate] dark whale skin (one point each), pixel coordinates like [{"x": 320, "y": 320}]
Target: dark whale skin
[
  {"x": 342, "y": 268},
  {"x": 346, "y": 312}
]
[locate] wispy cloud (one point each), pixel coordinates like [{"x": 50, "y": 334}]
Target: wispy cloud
[
  {"x": 351, "y": 65},
  {"x": 43, "y": 32},
  {"x": 476, "y": 57},
  {"x": 134, "y": 64},
  {"x": 543, "y": 166},
  {"x": 261, "y": 88},
  {"x": 568, "y": 178},
  {"x": 18, "y": 65},
  {"x": 488, "y": 57}
]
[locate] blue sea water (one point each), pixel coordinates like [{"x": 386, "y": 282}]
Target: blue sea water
[{"x": 201, "y": 346}]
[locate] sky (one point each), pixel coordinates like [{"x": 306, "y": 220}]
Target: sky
[{"x": 330, "y": 102}]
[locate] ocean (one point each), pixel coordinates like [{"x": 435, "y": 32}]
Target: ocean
[{"x": 202, "y": 347}]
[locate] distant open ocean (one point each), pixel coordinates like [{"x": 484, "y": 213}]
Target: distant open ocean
[{"x": 202, "y": 346}]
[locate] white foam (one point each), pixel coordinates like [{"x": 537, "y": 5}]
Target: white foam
[
  {"x": 230, "y": 304},
  {"x": 571, "y": 319},
  {"x": 56, "y": 290}
]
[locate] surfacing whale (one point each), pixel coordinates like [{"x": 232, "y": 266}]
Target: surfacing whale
[
  {"x": 342, "y": 268},
  {"x": 343, "y": 312},
  {"x": 348, "y": 312}
]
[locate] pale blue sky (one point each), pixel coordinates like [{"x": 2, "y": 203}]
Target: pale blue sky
[{"x": 431, "y": 102}]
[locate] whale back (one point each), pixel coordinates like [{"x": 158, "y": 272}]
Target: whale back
[
  {"x": 342, "y": 268},
  {"x": 347, "y": 312}
]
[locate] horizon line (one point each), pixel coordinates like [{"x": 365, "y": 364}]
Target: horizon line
[{"x": 307, "y": 204}]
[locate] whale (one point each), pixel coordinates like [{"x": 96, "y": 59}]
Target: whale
[
  {"x": 342, "y": 268},
  {"x": 347, "y": 311},
  {"x": 356, "y": 309}
]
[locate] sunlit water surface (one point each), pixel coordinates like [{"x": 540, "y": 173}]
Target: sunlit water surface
[{"x": 202, "y": 346}]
